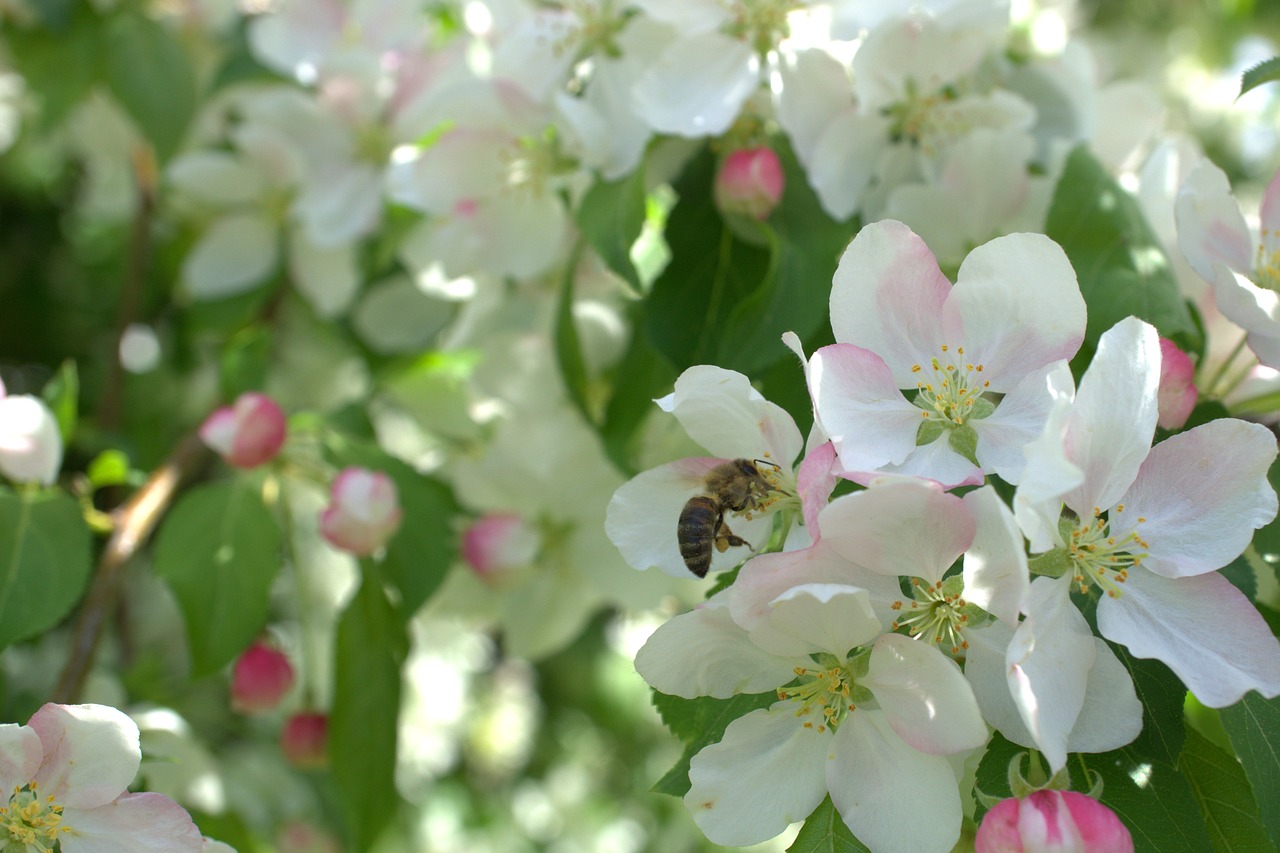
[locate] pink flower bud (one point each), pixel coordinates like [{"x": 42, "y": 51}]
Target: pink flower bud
[
  {"x": 304, "y": 740},
  {"x": 363, "y": 513},
  {"x": 750, "y": 183},
  {"x": 248, "y": 433},
  {"x": 260, "y": 679},
  {"x": 1177, "y": 395},
  {"x": 498, "y": 543},
  {"x": 30, "y": 444},
  {"x": 301, "y": 837},
  {"x": 1052, "y": 822}
]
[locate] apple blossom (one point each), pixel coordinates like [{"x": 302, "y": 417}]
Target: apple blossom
[
  {"x": 900, "y": 326},
  {"x": 260, "y": 678},
  {"x": 363, "y": 513},
  {"x": 1149, "y": 526},
  {"x": 719, "y": 410},
  {"x": 30, "y": 442},
  {"x": 863, "y": 716},
  {"x": 248, "y": 433},
  {"x": 750, "y": 182},
  {"x": 304, "y": 740},
  {"x": 1052, "y": 822},
  {"x": 66, "y": 775},
  {"x": 1177, "y": 395}
]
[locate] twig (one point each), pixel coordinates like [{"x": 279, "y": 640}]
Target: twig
[{"x": 134, "y": 523}]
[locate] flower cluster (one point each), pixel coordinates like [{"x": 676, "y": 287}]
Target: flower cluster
[{"x": 899, "y": 622}]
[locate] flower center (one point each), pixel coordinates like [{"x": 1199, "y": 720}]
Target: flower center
[
  {"x": 1099, "y": 558},
  {"x": 826, "y": 692},
  {"x": 952, "y": 393},
  {"x": 32, "y": 821},
  {"x": 762, "y": 23},
  {"x": 1266, "y": 267},
  {"x": 936, "y": 613}
]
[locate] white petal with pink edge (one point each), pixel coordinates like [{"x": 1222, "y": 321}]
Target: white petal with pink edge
[
  {"x": 995, "y": 564},
  {"x": 1211, "y": 228},
  {"x": 858, "y": 403},
  {"x": 924, "y": 696},
  {"x": 20, "y": 754},
  {"x": 135, "y": 823},
  {"x": 829, "y": 617},
  {"x": 720, "y": 410},
  {"x": 91, "y": 753}
]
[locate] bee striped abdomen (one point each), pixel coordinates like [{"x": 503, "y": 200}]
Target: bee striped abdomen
[{"x": 696, "y": 533}]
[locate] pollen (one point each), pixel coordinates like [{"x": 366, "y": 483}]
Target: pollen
[
  {"x": 825, "y": 689},
  {"x": 937, "y": 613},
  {"x": 1102, "y": 559},
  {"x": 955, "y": 394}
]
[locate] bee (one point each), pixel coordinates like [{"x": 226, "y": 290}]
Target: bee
[{"x": 736, "y": 486}]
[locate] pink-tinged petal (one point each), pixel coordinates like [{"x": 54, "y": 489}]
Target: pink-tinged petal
[
  {"x": 1110, "y": 427},
  {"x": 1052, "y": 822},
  {"x": 1111, "y": 715},
  {"x": 1018, "y": 420},
  {"x": 995, "y": 564},
  {"x": 1202, "y": 627},
  {"x": 924, "y": 696},
  {"x": 939, "y": 462},
  {"x": 1211, "y": 228},
  {"x": 91, "y": 753},
  {"x": 903, "y": 527},
  {"x": 1049, "y": 474},
  {"x": 696, "y": 87},
  {"x": 1269, "y": 212},
  {"x": 1253, "y": 308},
  {"x": 815, "y": 480},
  {"x": 880, "y": 785},
  {"x": 766, "y": 773},
  {"x": 499, "y": 543},
  {"x": 987, "y": 674},
  {"x": 887, "y": 297},
  {"x": 1008, "y": 326},
  {"x": 768, "y": 576},
  {"x": 860, "y": 407},
  {"x": 134, "y": 823},
  {"x": 1199, "y": 496},
  {"x": 705, "y": 653},
  {"x": 247, "y": 433},
  {"x": 20, "y": 754},
  {"x": 1178, "y": 394},
  {"x": 720, "y": 410},
  {"x": 644, "y": 513},
  {"x": 1048, "y": 664},
  {"x": 363, "y": 513},
  {"x": 833, "y": 618}
]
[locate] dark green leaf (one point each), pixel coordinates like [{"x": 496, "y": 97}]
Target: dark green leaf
[
  {"x": 422, "y": 550},
  {"x": 369, "y": 650},
  {"x": 1226, "y": 800},
  {"x": 219, "y": 550},
  {"x": 610, "y": 217},
  {"x": 573, "y": 370},
  {"x": 1267, "y": 71},
  {"x": 54, "y": 14},
  {"x": 1120, "y": 264},
  {"x": 150, "y": 73},
  {"x": 62, "y": 393},
  {"x": 700, "y": 722},
  {"x": 642, "y": 376},
  {"x": 825, "y": 832},
  {"x": 44, "y": 561},
  {"x": 1253, "y": 724},
  {"x": 992, "y": 778},
  {"x": 1162, "y": 695},
  {"x": 1152, "y": 799},
  {"x": 1267, "y": 540},
  {"x": 245, "y": 358}
]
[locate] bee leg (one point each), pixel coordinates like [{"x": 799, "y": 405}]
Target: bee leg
[{"x": 726, "y": 539}]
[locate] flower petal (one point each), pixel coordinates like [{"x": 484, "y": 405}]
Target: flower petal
[
  {"x": 1049, "y": 474},
  {"x": 1202, "y": 627},
  {"x": 1199, "y": 496},
  {"x": 995, "y": 564},
  {"x": 20, "y": 754},
  {"x": 858, "y": 403},
  {"x": 1211, "y": 228},
  {"x": 234, "y": 256},
  {"x": 722, "y": 412},
  {"x": 91, "y": 753},
  {"x": 705, "y": 653},
  {"x": 764, "y": 774},
  {"x": 1018, "y": 420},
  {"x": 924, "y": 696},
  {"x": 880, "y": 785},
  {"x": 833, "y": 618},
  {"x": 696, "y": 87},
  {"x": 1111, "y": 715},
  {"x": 134, "y": 823}
]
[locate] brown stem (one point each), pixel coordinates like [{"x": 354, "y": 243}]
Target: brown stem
[{"x": 134, "y": 523}]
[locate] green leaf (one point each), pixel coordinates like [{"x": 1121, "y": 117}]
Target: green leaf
[
  {"x": 641, "y": 376},
  {"x": 1267, "y": 71},
  {"x": 1163, "y": 696},
  {"x": 573, "y": 370},
  {"x": 1152, "y": 799},
  {"x": 992, "y": 777},
  {"x": 1267, "y": 539},
  {"x": 150, "y": 73},
  {"x": 245, "y": 360},
  {"x": 825, "y": 832},
  {"x": 219, "y": 551},
  {"x": 1253, "y": 724},
  {"x": 44, "y": 561},
  {"x": 1226, "y": 800},
  {"x": 62, "y": 393},
  {"x": 369, "y": 650},
  {"x": 1120, "y": 264},
  {"x": 610, "y": 217},
  {"x": 422, "y": 550},
  {"x": 700, "y": 722},
  {"x": 60, "y": 67}
]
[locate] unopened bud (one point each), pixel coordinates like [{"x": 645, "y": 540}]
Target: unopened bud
[
  {"x": 498, "y": 543},
  {"x": 750, "y": 183},
  {"x": 30, "y": 444},
  {"x": 304, "y": 740},
  {"x": 247, "y": 433},
  {"x": 1177, "y": 395},
  {"x": 1052, "y": 822},
  {"x": 260, "y": 679},
  {"x": 363, "y": 512}
]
